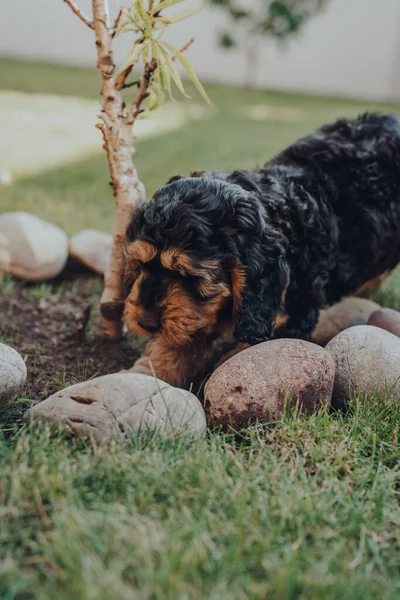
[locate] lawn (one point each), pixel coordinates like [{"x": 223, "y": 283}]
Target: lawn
[
  {"x": 78, "y": 195},
  {"x": 307, "y": 508}
]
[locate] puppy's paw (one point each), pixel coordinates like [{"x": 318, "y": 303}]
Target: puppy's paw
[{"x": 142, "y": 366}]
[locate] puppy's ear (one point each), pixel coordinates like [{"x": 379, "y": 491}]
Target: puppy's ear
[{"x": 262, "y": 277}]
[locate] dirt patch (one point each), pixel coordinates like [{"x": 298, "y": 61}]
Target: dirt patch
[{"x": 43, "y": 323}]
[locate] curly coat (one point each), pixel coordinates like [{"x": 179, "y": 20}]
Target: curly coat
[{"x": 264, "y": 251}]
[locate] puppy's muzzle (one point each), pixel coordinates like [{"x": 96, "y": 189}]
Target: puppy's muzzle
[{"x": 150, "y": 323}]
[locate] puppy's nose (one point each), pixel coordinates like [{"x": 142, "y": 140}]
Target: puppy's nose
[{"x": 149, "y": 322}]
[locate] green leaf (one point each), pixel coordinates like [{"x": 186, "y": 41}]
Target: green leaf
[
  {"x": 145, "y": 54},
  {"x": 166, "y": 4},
  {"x": 151, "y": 98},
  {"x": 134, "y": 56},
  {"x": 189, "y": 70},
  {"x": 131, "y": 18},
  {"x": 164, "y": 73},
  {"x": 124, "y": 27},
  {"x": 141, "y": 13},
  {"x": 156, "y": 95},
  {"x": 174, "y": 72},
  {"x": 129, "y": 26},
  {"x": 184, "y": 14}
]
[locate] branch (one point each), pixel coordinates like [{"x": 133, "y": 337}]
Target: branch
[
  {"x": 116, "y": 22},
  {"x": 131, "y": 84},
  {"x": 185, "y": 47},
  {"x": 79, "y": 13},
  {"x": 120, "y": 80},
  {"x": 107, "y": 14},
  {"x": 142, "y": 91}
]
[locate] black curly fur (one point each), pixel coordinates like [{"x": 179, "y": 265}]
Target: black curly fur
[{"x": 324, "y": 215}]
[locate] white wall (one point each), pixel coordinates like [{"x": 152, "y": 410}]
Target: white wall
[{"x": 352, "y": 49}]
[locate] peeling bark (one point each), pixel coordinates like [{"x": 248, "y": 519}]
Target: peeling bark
[
  {"x": 128, "y": 190},
  {"x": 117, "y": 128}
]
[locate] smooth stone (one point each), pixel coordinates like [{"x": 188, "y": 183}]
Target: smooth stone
[
  {"x": 347, "y": 313},
  {"x": 92, "y": 248},
  {"x": 119, "y": 404},
  {"x": 387, "y": 319},
  {"x": 12, "y": 374},
  {"x": 367, "y": 360},
  {"x": 258, "y": 383},
  {"x": 31, "y": 248}
]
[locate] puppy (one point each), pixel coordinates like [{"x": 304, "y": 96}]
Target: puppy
[{"x": 256, "y": 255}]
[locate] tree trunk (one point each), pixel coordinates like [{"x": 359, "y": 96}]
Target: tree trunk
[
  {"x": 129, "y": 193},
  {"x": 117, "y": 129}
]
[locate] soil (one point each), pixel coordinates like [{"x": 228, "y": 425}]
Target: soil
[{"x": 53, "y": 327}]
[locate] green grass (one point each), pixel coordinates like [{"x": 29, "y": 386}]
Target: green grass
[
  {"x": 78, "y": 195},
  {"x": 307, "y": 509}
]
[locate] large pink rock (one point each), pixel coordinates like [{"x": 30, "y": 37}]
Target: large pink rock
[{"x": 257, "y": 384}]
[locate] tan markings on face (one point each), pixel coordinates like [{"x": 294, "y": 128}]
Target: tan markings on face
[
  {"x": 175, "y": 259},
  {"x": 208, "y": 288},
  {"x": 183, "y": 316},
  {"x": 212, "y": 307},
  {"x": 238, "y": 283},
  {"x": 140, "y": 251},
  {"x": 282, "y": 318},
  {"x": 133, "y": 311},
  {"x": 180, "y": 318}
]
